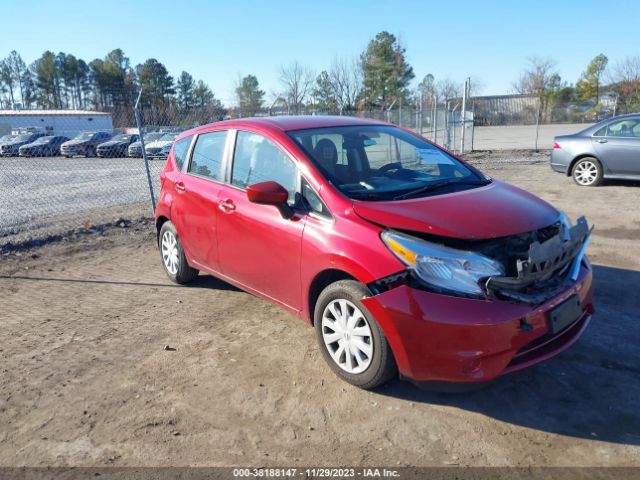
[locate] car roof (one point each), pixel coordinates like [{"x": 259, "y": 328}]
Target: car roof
[{"x": 290, "y": 122}]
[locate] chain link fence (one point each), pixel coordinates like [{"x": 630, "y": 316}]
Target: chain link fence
[{"x": 67, "y": 171}]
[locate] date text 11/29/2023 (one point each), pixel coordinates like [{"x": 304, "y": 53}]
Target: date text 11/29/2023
[{"x": 321, "y": 472}]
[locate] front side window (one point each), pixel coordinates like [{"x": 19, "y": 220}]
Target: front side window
[
  {"x": 380, "y": 162},
  {"x": 256, "y": 160},
  {"x": 206, "y": 159},
  {"x": 629, "y": 127},
  {"x": 180, "y": 150}
]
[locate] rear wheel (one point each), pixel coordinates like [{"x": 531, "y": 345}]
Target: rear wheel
[
  {"x": 351, "y": 341},
  {"x": 173, "y": 258},
  {"x": 587, "y": 172}
]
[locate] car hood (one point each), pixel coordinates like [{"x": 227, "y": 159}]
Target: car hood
[{"x": 491, "y": 211}]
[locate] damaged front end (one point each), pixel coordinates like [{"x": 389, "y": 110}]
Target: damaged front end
[
  {"x": 547, "y": 269},
  {"x": 529, "y": 268}
]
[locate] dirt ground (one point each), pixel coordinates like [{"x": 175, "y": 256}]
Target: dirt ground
[{"x": 85, "y": 379}]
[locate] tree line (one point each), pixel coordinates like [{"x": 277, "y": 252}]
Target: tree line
[{"x": 380, "y": 78}]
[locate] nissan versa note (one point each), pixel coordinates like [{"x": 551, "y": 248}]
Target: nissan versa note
[{"x": 405, "y": 259}]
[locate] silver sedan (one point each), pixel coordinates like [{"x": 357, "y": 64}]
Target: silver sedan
[{"x": 608, "y": 149}]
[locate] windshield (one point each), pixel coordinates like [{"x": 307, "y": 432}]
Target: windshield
[
  {"x": 6, "y": 138},
  {"x": 43, "y": 140},
  {"x": 84, "y": 136},
  {"x": 168, "y": 137},
  {"x": 25, "y": 137},
  {"x": 383, "y": 162},
  {"x": 152, "y": 137},
  {"x": 121, "y": 138}
]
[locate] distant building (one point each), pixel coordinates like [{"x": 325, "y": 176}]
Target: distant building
[{"x": 55, "y": 122}]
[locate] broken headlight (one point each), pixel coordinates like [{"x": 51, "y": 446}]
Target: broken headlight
[{"x": 442, "y": 267}]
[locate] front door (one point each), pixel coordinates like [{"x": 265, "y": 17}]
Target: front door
[
  {"x": 259, "y": 248},
  {"x": 619, "y": 147}
]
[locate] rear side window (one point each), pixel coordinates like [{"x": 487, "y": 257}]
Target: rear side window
[
  {"x": 256, "y": 160},
  {"x": 206, "y": 159},
  {"x": 180, "y": 149}
]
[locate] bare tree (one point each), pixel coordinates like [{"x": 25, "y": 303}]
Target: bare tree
[
  {"x": 542, "y": 80},
  {"x": 625, "y": 78},
  {"x": 537, "y": 78},
  {"x": 626, "y": 70},
  {"x": 297, "y": 81},
  {"x": 345, "y": 77},
  {"x": 447, "y": 88}
]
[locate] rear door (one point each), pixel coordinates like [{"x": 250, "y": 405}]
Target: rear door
[
  {"x": 258, "y": 247},
  {"x": 196, "y": 209},
  {"x": 618, "y": 146}
]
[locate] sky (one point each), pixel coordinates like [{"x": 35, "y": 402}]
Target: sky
[{"x": 218, "y": 41}]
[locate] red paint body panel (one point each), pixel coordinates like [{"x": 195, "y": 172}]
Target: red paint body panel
[
  {"x": 434, "y": 337},
  {"x": 495, "y": 210}
]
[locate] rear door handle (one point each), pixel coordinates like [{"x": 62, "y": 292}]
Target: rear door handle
[
  {"x": 226, "y": 205},
  {"x": 180, "y": 186},
  {"x": 602, "y": 140}
]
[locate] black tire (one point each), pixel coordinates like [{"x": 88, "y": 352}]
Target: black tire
[
  {"x": 382, "y": 367},
  {"x": 581, "y": 165},
  {"x": 184, "y": 273}
]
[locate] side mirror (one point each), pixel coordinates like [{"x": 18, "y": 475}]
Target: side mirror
[{"x": 270, "y": 193}]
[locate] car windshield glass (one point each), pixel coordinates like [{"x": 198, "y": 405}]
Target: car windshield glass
[
  {"x": 151, "y": 137},
  {"x": 43, "y": 140},
  {"x": 84, "y": 136},
  {"x": 384, "y": 162},
  {"x": 22, "y": 138},
  {"x": 121, "y": 138},
  {"x": 6, "y": 138},
  {"x": 168, "y": 137}
]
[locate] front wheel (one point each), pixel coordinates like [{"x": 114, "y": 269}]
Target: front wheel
[
  {"x": 173, "y": 258},
  {"x": 587, "y": 172},
  {"x": 351, "y": 341}
]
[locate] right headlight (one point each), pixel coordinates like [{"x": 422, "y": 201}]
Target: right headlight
[{"x": 442, "y": 267}]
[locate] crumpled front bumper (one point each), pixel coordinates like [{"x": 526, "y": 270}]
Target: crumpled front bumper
[{"x": 441, "y": 338}]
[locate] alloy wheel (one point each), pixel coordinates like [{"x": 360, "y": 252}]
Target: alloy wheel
[
  {"x": 347, "y": 336},
  {"x": 586, "y": 172},
  {"x": 169, "y": 247}
]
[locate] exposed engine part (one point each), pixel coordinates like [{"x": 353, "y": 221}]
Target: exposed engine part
[{"x": 547, "y": 269}]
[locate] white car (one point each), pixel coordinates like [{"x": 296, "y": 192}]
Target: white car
[{"x": 160, "y": 148}]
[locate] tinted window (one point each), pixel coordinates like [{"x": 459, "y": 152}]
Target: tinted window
[
  {"x": 206, "y": 159},
  {"x": 256, "y": 160},
  {"x": 180, "y": 150}
]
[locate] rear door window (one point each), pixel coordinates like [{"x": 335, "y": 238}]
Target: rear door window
[{"x": 207, "y": 157}]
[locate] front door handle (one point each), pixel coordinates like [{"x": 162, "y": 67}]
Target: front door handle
[
  {"x": 602, "y": 140},
  {"x": 226, "y": 205},
  {"x": 180, "y": 186}
]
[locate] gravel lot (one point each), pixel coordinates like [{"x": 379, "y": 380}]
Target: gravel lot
[{"x": 86, "y": 379}]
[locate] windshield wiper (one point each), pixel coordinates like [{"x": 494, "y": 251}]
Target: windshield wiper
[
  {"x": 364, "y": 195},
  {"x": 436, "y": 185}
]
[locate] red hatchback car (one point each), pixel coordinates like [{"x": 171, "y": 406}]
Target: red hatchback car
[{"x": 405, "y": 258}]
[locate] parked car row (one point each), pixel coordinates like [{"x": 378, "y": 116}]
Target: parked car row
[{"x": 87, "y": 144}]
